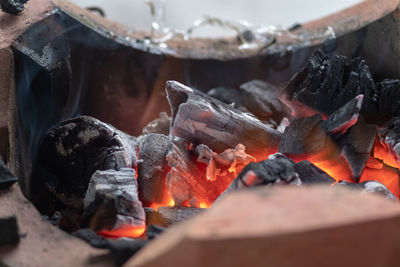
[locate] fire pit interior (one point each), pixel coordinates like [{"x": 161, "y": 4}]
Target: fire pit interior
[{"x": 156, "y": 149}]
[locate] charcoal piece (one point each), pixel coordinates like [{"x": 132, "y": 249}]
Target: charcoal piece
[
  {"x": 375, "y": 187},
  {"x": 390, "y": 132},
  {"x": 160, "y": 125},
  {"x": 167, "y": 216},
  {"x": 201, "y": 119},
  {"x": 277, "y": 169},
  {"x": 91, "y": 238},
  {"x": 152, "y": 171},
  {"x": 12, "y": 6},
  {"x": 311, "y": 174},
  {"x": 74, "y": 149},
  {"x": 187, "y": 180},
  {"x": 7, "y": 179},
  {"x": 357, "y": 144},
  {"x": 388, "y": 101},
  {"x": 304, "y": 136},
  {"x": 112, "y": 202},
  {"x": 370, "y": 187},
  {"x": 261, "y": 99},
  {"x": 9, "y": 231},
  {"x": 123, "y": 249},
  {"x": 153, "y": 231},
  {"x": 228, "y": 95},
  {"x": 345, "y": 117}
]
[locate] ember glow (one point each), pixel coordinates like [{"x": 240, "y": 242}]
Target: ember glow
[{"x": 124, "y": 231}]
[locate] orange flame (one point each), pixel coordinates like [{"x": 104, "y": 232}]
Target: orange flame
[{"x": 124, "y": 231}]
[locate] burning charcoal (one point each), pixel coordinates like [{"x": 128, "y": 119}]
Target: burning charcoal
[
  {"x": 261, "y": 99},
  {"x": 304, "y": 136},
  {"x": 231, "y": 160},
  {"x": 200, "y": 119},
  {"x": 9, "y": 232},
  {"x": 112, "y": 203},
  {"x": 276, "y": 169},
  {"x": 325, "y": 84},
  {"x": 345, "y": 117},
  {"x": 311, "y": 174},
  {"x": 378, "y": 188},
  {"x": 74, "y": 149},
  {"x": 387, "y": 148},
  {"x": 166, "y": 216},
  {"x": 228, "y": 95},
  {"x": 153, "y": 168},
  {"x": 7, "y": 179},
  {"x": 153, "y": 231},
  {"x": 187, "y": 182},
  {"x": 12, "y": 6},
  {"x": 357, "y": 145},
  {"x": 160, "y": 125},
  {"x": 91, "y": 238}
]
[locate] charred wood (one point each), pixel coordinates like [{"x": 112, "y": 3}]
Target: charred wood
[
  {"x": 74, "y": 149},
  {"x": 187, "y": 180},
  {"x": 357, "y": 145},
  {"x": 277, "y": 169},
  {"x": 228, "y": 95},
  {"x": 200, "y": 119},
  {"x": 325, "y": 84},
  {"x": 112, "y": 202},
  {"x": 261, "y": 99},
  {"x": 370, "y": 187},
  {"x": 160, "y": 125},
  {"x": 153, "y": 168},
  {"x": 7, "y": 179},
  {"x": 310, "y": 174}
]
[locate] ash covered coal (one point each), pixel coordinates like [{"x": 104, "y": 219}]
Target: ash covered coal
[
  {"x": 325, "y": 84},
  {"x": 12, "y": 6}
]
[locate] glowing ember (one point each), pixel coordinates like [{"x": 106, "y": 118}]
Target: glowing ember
[{"x": 124, "y": 231}]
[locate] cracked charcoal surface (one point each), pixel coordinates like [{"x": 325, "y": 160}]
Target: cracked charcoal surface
[
  {"x": 325, "y": 84},
  {"x": 74, "y": 149},
  {"x": 112, "y": 200}
]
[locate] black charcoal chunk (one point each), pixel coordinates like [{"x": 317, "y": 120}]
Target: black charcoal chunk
[
  {"x": 12, "y": 6},
  {"x": 303, "y": 136},
  {"x": 357, "y": 144},
  {"x": 7, "y": 179},
  {"x": 160, "y": 125},
  {"x": 228, "y": 95},
  {"x": 311, "y": 174},
  {"x": 277, "y": 169},
  {"x": 345, "y": 117},
  {"x": 375, "y": 187},
  {"x": 74, "y": 149},
  {"x": 153, "y": 231},
  {"x": 112, "y": 201},
  {"x": 123, "y": 249},
  {"x": 9, "y": 231},
  {"x": 91, "y": 238},
  {"x": 200, "y": 119},
  {"x": 261, "y": 99},
  {"x": 153, "y": 167},
  {"x": 390, "y": 132},
  {"x": 325, "y": 84}
]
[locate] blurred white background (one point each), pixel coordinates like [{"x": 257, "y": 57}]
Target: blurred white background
[{"x": 180, "y": 14}]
